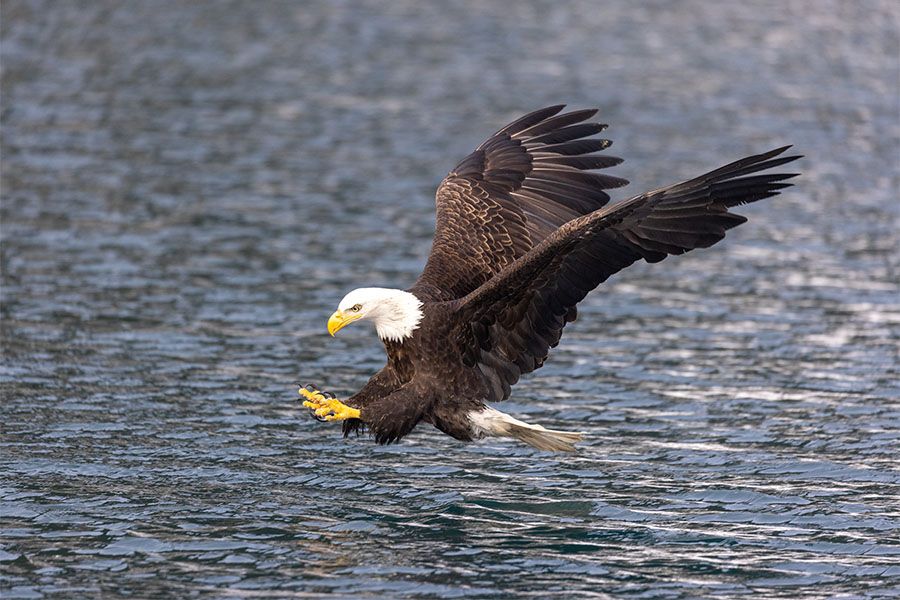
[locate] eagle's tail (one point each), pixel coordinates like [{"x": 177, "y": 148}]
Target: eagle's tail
[
  {"x": 492, "y": 422},
  {"x": 551, "y": 440}
]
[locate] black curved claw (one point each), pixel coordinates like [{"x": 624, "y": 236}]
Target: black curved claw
[
  {"x": 328, "y": 395},
  {"x": 315, "y": 416}
]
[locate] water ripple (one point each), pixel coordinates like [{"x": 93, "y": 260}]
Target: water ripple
[{"x": 188, "y": 189}]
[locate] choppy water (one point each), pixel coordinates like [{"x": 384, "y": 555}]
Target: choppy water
[{"x": 189, "y": 188}]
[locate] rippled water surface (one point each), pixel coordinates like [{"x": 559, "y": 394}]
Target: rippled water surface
[{"x": 189, "y": 188}]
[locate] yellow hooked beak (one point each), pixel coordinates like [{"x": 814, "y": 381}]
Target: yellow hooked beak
[{"x": 339, "y": 320}]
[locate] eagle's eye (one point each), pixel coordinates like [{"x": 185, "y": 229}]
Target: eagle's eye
[{"x": 355, "y": 307}]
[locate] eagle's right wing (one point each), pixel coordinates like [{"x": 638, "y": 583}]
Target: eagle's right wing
[
  {"x": 512, "y": 192},
  {"x": 507, "y": 326}
]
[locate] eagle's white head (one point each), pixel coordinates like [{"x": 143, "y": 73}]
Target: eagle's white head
[{"x": 396, "y": 313}]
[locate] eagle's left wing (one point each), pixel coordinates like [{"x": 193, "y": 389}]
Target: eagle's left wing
[
  {"x": 513, "y": 191},
  {"x": 508, "y": 325}
]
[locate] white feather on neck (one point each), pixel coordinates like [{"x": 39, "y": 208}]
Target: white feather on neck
[{"x": 395, "y": 313}]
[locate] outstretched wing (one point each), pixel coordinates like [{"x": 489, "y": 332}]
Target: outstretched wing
[
  {"x": 508, "y": 325},
  {"x": 511, "y": 193}
]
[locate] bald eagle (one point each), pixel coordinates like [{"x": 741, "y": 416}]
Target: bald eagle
[{"x": 522, "y": 235}]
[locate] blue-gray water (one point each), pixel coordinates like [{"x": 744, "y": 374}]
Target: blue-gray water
[{"x": 189, "y": 188}]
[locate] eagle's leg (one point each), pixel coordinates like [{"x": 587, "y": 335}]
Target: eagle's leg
[{"x": 330, "y": 409}]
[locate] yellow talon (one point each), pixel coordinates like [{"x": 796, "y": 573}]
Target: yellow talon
[
  {"x": 331, "y": 409},
  {"x": 312, "y": 396},
  {"x": 339, "y": 411}
]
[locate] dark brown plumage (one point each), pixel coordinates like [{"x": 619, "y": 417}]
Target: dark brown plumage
[{"x": 522, "y": 235}]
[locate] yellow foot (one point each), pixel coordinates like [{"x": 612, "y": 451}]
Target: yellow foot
[{"x": 325, "y": 408}]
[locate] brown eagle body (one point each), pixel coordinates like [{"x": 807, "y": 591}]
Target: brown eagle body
[{"x": 522, "y": 234}]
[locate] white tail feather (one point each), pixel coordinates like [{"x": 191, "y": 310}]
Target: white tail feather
[{"x": 490, "y": 422}]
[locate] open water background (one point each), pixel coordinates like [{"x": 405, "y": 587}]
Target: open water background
[{"x": 188, "y": 188}]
